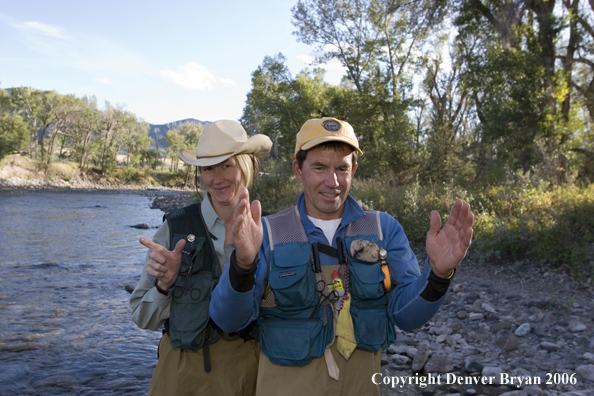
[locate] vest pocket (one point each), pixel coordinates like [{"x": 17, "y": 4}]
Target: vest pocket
[
  {"x": 294, "y": 342},
  {"x": 189, "y": 312},
  {"x": 191, "y": 250},
  {"x": 373, "y": 328},
  {"x": 291, "y": 278},
  {"x": 366, "y": 280}
]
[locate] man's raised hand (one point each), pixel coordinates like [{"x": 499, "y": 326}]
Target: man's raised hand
[
  {"x": 447, "y": 246},
  {"x": 163, "y": 264},
  {"x": 247, "y": 230}
]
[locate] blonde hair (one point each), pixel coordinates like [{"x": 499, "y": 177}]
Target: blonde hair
[{"x": 250, "y": 167}]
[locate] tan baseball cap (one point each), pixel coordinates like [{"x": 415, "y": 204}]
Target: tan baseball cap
[{"x": 320, "y": 130}]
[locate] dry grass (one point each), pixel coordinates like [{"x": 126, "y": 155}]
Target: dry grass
[{"x": 16, "y": 165}]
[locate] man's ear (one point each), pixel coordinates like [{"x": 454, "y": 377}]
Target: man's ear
[
  {"x": 354, "y": 169},
  {"x": 297, "y": 171}
]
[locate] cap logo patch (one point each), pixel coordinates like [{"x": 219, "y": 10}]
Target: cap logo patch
[{"x": 331, "y": 125}]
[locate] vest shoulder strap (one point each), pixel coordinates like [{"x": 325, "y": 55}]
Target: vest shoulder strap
[
  {"x": 369, "y": 224},
  {"x": 285, "y": 226}
]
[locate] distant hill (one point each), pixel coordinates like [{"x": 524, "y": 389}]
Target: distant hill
[{"x": 163, "y": 128}]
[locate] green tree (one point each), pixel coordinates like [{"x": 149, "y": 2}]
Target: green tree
[
  {"x": 115, "y": 123},
  {"x": 137, "y": 142},
  {"x": 279, "y": 104},
  {"x": 450, "y": 128},
  {"x": 518, "y": 76},
  {"x": 13, "y": 133},
  {"x": 86, "y": 128},
  {"x": 378, "y": 43},
  {"x": 191, "y": 133},
  {"x": 25, "y": 102},
  {"x": 175, "y": 141}
]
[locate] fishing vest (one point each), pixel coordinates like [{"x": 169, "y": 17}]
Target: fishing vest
[
  {"x": 189, "y": 325},
  {"x": 288, "y": 333}
]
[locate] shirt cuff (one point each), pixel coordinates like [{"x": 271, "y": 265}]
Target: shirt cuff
[
  {"x": 242, "y": 280},
  {"x": 436, "y": 287}
]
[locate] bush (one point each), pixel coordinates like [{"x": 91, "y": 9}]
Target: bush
[
  {"x": 410, "y": 204},
  {"x": 537, "y": 222},
  {"x": 555, "y": 225},
  {"x": 132, "y": 175},
  {"x": 277, "y": 188},
  {"x": 13, "y": 134}
]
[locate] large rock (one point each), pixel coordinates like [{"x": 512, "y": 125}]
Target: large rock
[
  {"x": 439, "y": 364},
  {"x": 576, "y": 326},
  {"x": 549, "y": 346},
  {"x": 399, "y": 359},
  {"x": 420, "y": 358},
  {"x": 491, "y": 371},
  {"x": 523, "y": 330},
  {"x": 503, "y": 325},
  {"x": 507, "y": 342},
  {"x": 586, "y": 371},
  {"x": 473, "y": 366}
]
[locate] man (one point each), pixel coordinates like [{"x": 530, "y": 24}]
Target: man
[{"x": 317, "y": 339}]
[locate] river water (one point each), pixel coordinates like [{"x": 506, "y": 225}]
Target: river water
[{"x": 65, "y": 327}]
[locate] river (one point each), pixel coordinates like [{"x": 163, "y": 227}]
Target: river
[{"x": 65, "y": 327}]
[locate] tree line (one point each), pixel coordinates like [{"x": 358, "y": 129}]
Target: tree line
[
  {"x": 445, "y": 91},
  {"x": 438, "y": 91},
  {"x": 46, "y": 125}
]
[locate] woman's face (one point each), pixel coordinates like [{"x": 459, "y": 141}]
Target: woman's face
[{"x": 224, "y": 182}]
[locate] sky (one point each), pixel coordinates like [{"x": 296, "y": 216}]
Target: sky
[{"x": 163, "y": 60}]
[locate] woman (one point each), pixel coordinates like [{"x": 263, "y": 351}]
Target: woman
[{"x": 186, "y": 257}]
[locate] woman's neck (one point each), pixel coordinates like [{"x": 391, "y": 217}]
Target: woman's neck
[{"x": 224, "y": 212}]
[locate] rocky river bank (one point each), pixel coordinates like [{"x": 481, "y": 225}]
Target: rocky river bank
[
  {"x": 502, "y": 330},
  {"x": 499, "y": 331}
]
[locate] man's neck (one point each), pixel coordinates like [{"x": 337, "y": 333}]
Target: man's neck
[{"x": 316, "y": 214}]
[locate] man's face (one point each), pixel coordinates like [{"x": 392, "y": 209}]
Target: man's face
[{"x": 326, "y": 176}]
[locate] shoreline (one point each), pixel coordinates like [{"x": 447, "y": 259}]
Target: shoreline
[
  {"x": 17, "y": 183},
  {"x": 164, "y": 198}
]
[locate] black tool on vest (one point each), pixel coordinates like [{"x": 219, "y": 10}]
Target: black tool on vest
[
  {"x": 315, "y": 262},
  {"x": 341, "y": 252},
  {"x": 318, "y": 247}
]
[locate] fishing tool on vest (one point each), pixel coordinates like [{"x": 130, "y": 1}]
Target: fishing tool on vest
[
  {"x": 316, "y": 249},
  {"x": 337, "y": 283},
  {"x": 343, "y": 269},
  {"x": 389, "y": 279},
  {"x": 383, "y": 254},
  {"x": 338, "y": 289}
]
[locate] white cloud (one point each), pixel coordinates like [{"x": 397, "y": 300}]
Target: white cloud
[
  {"x": 43, "y": 29},
  {"x": 104, "y": 81},
  {"x": 334, "y": 71},
  {"x": 194, "y": 76},
  {"x": 307, "y": 59}
]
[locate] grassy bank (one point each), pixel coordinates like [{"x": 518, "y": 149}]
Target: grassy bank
[
  {"x": 523, "y": 222},
  {"x": 20, "y": 171}
]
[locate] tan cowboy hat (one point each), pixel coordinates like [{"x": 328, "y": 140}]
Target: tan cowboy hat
[{"x": 223, "y": 139}]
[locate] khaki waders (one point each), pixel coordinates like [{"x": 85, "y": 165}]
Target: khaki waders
[{"x": 234, "y": 369}]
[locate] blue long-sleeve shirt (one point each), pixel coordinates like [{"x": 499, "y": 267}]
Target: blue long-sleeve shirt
[{"x": 232, "y": 310}]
